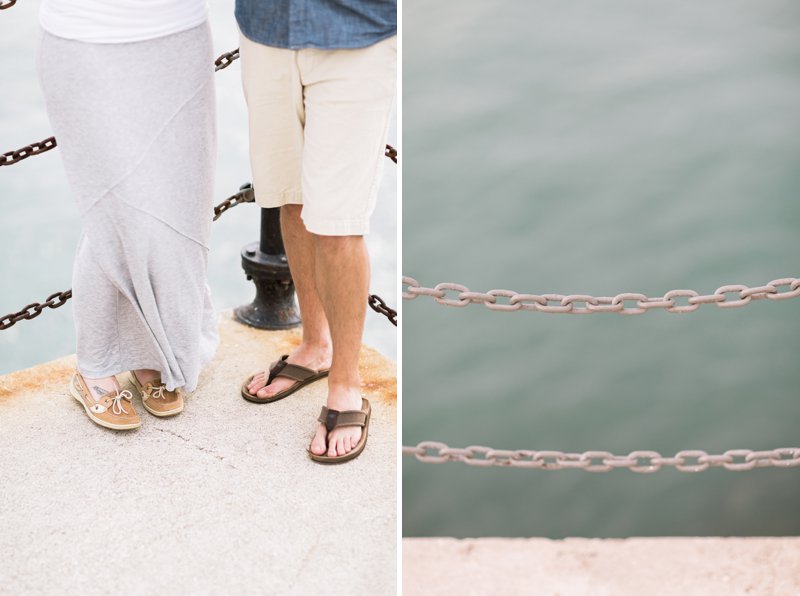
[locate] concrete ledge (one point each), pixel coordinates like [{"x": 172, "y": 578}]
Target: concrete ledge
[
  {"x": 222, "y": 499},
  {"x": 578, "y": 566}
]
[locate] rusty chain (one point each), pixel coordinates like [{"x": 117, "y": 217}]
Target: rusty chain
[
  {"x": 7, "y": 4},
  {"x": 391, "y": 153},
  {"x": 643, "y": 462},
  {"x": 11, "y": 157},
  {"x": 628, "y": 303},
  {"x": 34, "y": 309},
  {"x": 377, "y": 304}
]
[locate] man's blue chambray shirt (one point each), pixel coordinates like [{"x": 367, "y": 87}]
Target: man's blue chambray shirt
[{"x": 324, "y": 24}]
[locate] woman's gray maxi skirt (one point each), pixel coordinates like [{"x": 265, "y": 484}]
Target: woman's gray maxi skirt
[{"x": 135, "y": 125}]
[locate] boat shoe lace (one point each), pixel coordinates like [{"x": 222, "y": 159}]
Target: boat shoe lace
[
  {"x": 150, "y": 390},
  {"x": 116, "y": 404}
]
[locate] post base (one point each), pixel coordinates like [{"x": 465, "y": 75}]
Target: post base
[{"x": 274, "y": 306}]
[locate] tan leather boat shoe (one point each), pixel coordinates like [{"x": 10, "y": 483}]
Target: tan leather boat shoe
[
  {"x": 113, "y": 410},
  {"x": 156, "y": 399}
]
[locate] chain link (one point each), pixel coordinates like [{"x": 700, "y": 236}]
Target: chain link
[
  {"x": 627, "y": 303},
  {"x": 226, "y": 59},
  {"x": 391, "y": 153},
  {"x": 377, "y": 304},
  {"x": 7, "y": 4},
  {"x": 245, "y": 195},
  {"x": 642, "y": 462},
  {"x": 11, "y": 157}
]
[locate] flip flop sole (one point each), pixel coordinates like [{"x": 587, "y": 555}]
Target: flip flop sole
[{"x": 281, "y": 394}]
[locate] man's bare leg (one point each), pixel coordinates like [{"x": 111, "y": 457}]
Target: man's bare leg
[
  {"x": 316, "y": 348},
  {"x": 342, "y": 276}
]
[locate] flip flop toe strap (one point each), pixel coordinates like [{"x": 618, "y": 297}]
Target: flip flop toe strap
[
  {"x": 334, "y": 418},
  {"x": 282, "y": 368}
]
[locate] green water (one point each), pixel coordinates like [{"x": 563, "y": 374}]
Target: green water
[{"x": 601, "y": 147}]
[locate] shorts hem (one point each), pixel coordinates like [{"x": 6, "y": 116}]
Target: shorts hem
[
  {"x": 340, "y": 227},
  {"x": 279, "y": 199}
]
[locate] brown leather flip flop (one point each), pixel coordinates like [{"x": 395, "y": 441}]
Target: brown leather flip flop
[
  {"x": 333, "y": 419},
  {"x": 301, "y": 374}
]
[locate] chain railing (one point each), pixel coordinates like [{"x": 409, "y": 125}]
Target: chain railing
[
  {"x": 627, "y": 303},
  {"x": 245, "y": 195},
  {"x": 643, "y": 462}
]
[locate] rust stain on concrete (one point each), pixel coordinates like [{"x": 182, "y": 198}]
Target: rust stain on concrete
[
  {"x": 254, "y": 347},
  {"x": 42, "y": 377},
  {"x": 378, "y": 374},
  {"x": 378, "y": 377}
]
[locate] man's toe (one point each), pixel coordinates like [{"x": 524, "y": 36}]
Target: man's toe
[
  {"x": 318, "y": 442},
  {"x": 255, "y": 383}
]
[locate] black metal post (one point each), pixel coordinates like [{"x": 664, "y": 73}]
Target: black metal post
[{"x": 265, "y": 264}]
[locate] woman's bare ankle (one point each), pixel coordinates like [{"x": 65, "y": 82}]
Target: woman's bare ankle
[
  {"x": 102, "y": 386},
  {"x": 145, "y": 375}
]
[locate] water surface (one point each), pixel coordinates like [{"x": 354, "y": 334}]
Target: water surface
[{"x": 598, "y": 148}]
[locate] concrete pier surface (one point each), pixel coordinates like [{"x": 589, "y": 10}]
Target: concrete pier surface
[
  {"x": 597, "y": 567},
  {"x": 221, "y": 499}
]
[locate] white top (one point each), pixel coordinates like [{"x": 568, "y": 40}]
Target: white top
[{"x": 120, "y": 21}]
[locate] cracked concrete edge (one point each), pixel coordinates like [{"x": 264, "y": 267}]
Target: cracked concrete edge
[{"x": 698, "y": 565}]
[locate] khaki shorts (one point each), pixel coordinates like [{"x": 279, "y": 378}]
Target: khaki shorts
[{"x": 318, "y": 125}]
